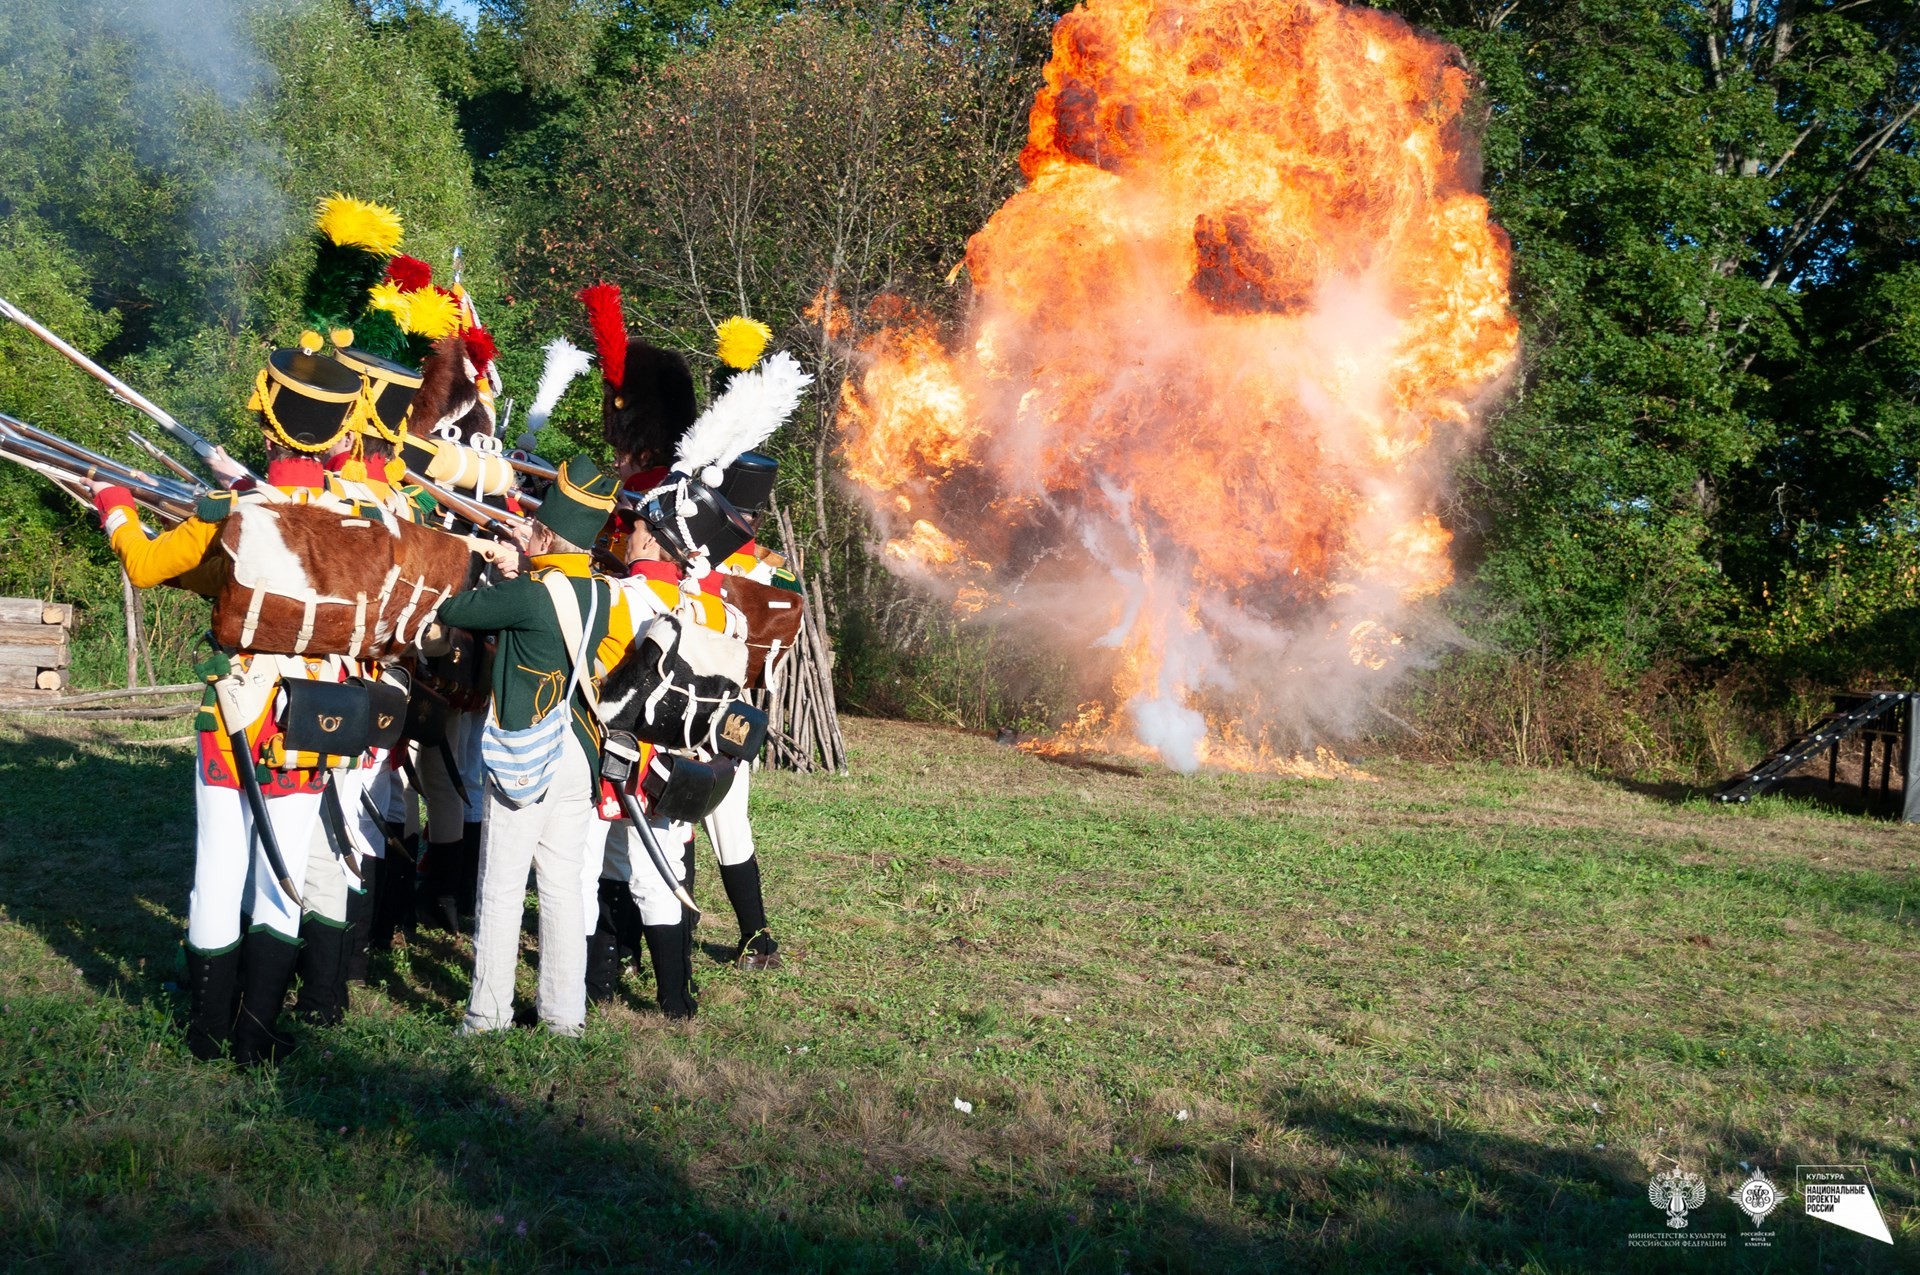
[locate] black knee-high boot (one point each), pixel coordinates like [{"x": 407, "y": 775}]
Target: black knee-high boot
[
  {"x": 360, "y": 906},
  {"x": 470, "y": 869},
  {"x": 322, "y": 967},
  {"x": 267, "y": 962},
  {"x": 617, "y": 898},
  {"x": 211, "y": 977},
  {"x": 603, "y": 953},
  {"x": 393, "y": 901},
  {"x": 440, "y": 887},
  {"x": 757, "y": 949},
  {"x": 668, "y": 950}
]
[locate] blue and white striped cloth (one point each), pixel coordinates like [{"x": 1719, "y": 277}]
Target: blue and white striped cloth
[{"x": 522, "y": 762}]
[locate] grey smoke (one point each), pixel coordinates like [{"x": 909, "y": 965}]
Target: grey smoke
[{"x": 205, "y": 44}]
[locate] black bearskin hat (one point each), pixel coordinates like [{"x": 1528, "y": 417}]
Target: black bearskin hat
[{"x": 648, "y": 402}]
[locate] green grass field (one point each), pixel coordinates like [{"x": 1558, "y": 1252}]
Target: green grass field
[{"x": 1451, "y": 1020}]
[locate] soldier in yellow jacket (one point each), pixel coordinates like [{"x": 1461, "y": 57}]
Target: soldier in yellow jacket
[{"x": 303, "y": 403}]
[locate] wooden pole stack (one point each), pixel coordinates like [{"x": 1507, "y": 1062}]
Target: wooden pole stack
[
  {"x": 803, "y": 724},
  {"x": 34, "y": 650}
]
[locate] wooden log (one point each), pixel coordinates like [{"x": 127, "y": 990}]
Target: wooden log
[
  {"x": 32, "y": 634},
  {"x": 37, "y": 657},
  {"x": 19, "y": 677},
  {"x": 26, "y": 699},
  {"x": 31, "y": 611},
  {"x": 60, "y": 613},
  {"x": 50, "y": 679}
]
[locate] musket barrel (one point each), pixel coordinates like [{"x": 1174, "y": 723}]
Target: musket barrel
[
  {"x": 473, "y": 511},
  {"x": 201, "y": 447},
  {"x": 59, "y": 465},
  {"x": 533, "y": 467},
  {"x": 152, "y": 449},
  {"x": 87, "y": 456}
]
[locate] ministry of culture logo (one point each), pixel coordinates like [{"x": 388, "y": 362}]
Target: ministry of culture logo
[
  {"x": 1757, "y": 1197},
  {"x": 1676, "y": 1191}
]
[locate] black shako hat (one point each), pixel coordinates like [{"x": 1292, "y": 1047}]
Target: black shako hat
[
  {"x": 748, "y": 485},
  {"x": 304, "y": 401},
  {"x": 388, "y": 389}
]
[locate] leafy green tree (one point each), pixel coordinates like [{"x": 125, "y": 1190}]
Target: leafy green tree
[
  {"x": 158, "y": 173},
  {"x": 1712, "y": 214}
]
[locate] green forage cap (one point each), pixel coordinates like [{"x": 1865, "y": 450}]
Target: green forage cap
[{"x": 579, "y": 502}]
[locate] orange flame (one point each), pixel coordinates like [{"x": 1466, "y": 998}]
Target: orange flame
[{"x": 1219, "y": 348}]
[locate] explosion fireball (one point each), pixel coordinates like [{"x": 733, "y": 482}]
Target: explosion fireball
[{"x": 1220, "y": 350}]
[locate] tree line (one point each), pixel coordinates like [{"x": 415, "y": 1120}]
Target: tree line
[{"x": 1706, "y": 461}]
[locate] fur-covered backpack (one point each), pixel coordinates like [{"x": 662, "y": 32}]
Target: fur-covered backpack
[{"x": 675, "y": 683}]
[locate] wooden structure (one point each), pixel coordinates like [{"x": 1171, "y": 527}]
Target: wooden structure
[
  {"x": 34, "y": 647},
  {"x": 803, "y": 724}
]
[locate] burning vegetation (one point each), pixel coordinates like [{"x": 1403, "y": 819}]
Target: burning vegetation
[{"x": 1220, "y": 350}]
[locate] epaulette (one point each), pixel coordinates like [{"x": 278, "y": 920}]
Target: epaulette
[
  {"x": 215, "y": 506},
  {"x": 785, "y": 579},
  {"x": 420, "y": 498}
]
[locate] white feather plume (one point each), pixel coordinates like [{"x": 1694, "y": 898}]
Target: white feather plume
[
  {"x": 565, "y": 361},
  {"x": 754, "y": 404}
]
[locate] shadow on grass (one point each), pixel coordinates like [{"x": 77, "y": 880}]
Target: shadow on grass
[
  {"x": 1814, "y": 792},
  {"x": 1408, "y": 1189},
  {"x": 95, "y": 851},
  {"x": 391, "y": 1144}
]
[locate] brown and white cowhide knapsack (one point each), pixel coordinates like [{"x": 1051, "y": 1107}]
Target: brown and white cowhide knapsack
[
  {"x": 309, "y": 579},
  {"x": 772, "y": 616}
]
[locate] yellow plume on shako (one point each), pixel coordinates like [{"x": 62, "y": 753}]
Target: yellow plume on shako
[
  {"x": 431, "y": 313},
  {"x": 741, "y": 341},
  {"x": 388, "y": 297},
  {"x": 355, "y": 223}
]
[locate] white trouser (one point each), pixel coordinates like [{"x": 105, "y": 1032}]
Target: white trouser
[
  {"x": 386, "y": 787},
  {"x": 396, "y": 801},
  {"x": 327, "y": 881},
  {"x": 728, "y": 828},
  {"x": 546, "y": 836},
  {"x": 627, "y": 860},
  {"x": 225, "y": 850}
]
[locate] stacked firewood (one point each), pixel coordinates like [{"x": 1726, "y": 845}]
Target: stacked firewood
[
  {"x": 803, "y": 724},
  {"x": 34, "y": 650}
]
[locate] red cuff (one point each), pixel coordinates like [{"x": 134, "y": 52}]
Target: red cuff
[{"x": 112, "y": 498}]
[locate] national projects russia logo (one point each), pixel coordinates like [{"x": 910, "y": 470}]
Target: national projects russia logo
[{"x": 1838, "y": 1194}]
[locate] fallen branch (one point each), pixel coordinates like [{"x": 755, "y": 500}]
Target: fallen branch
[
  {"x": 105, "y": 714},
  {"x": 131, "y": 692}
]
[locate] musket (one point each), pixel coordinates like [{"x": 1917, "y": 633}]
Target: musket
[
  {"x": 120, "y": 389},
  {"x": 107, "y": 465},
  {"x": 65, "y": 470},
  {"x": 153, "y": 449},
  {"x": 473, "y": 511},
  {"x": 626, "y": 499}
]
